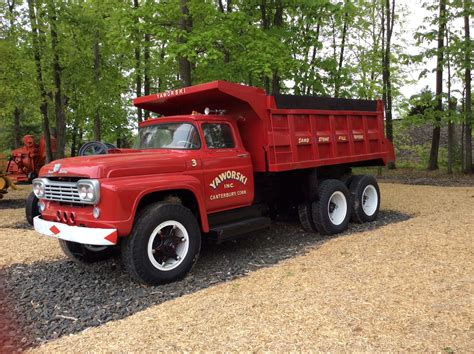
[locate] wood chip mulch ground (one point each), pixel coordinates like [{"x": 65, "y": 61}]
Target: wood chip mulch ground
[{"x": 405, "y": 284}]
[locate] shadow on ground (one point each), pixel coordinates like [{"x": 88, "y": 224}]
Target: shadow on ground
[
  {"x": 23, "y": 225},
  {"x": 12, "y": 203},
  {"x": 53, "y": 299}
]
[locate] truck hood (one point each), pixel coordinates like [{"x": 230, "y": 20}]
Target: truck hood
[{"x": 117, "y": 165}]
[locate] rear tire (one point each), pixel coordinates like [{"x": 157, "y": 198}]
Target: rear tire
[
  {"x": 86, "y": 254},
  {"x": 31, "y": 209},
  {"x": 306, "y": 217},
  {"x": 164, "y": 244},
  {"x": 365, "y": 194},
  {"x": 332, "y": 210}
]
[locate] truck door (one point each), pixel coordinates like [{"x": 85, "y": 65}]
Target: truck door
[{"x": 228, "y": 172}]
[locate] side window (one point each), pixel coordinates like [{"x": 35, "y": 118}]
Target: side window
[{"x": 218, "y": 135}]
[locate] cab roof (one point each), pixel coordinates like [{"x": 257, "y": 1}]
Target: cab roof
[
  {"x": 183, "y": 118},
  {"x": 221, "y": 95}
]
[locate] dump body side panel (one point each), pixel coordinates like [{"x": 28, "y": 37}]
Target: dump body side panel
[{"x": 313, "y": 138}]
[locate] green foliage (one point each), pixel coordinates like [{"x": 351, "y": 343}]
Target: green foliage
[{"x": 245, "y": 42}]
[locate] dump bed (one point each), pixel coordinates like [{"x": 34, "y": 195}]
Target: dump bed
[{"x": 288, "y": 132}]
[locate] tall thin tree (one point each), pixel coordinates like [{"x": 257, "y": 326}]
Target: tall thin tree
[
  {"x": 137, "y": 50},
  {"x": 185, "y": 25},
  {"x": 39, "y": 78},
  {"x": 388, "y": 22},
  {"x": 433, "y": 159},
  {"x": 468, "y": 168},
  {"x": 58, "y": 93},
  {"x": 97, "y": 120},
  {"x": 451, "y": 107}
]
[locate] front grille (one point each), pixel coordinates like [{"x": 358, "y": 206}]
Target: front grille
[{"x": 62, "y": 192}]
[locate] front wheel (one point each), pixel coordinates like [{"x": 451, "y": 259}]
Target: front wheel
[
  {"x": 164, "y": 244},
  {"x": 331, "y": 211},
  {"x": 85, "y": 254},
  {"x": 31, "y": 208}
]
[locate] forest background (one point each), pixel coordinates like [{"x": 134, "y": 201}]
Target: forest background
[{"x": 71, "y": 68}]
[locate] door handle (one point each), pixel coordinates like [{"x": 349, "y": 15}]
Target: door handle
[{"x": 242, "y": 155}]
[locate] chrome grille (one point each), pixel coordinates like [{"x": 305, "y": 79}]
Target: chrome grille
[{"x": 62, "y": 192}]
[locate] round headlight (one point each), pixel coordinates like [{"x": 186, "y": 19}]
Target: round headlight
[
  {"x": 89, "y": 191},
  {"x": 83, "y": 192},
  {"x": 38, "y": 189}
]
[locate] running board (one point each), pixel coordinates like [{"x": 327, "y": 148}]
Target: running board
[{"x": 231, "y": 231}]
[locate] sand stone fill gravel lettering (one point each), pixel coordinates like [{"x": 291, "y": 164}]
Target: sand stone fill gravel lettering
[{"x": 365, "y": 289}]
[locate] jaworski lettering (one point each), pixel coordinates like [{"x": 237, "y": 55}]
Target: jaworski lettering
[
  {"x": 228, "y": 175},
  {"x": 170, "y": 93}
]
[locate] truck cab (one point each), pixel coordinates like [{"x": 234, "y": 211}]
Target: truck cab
[{"x": 220, "y": 162}]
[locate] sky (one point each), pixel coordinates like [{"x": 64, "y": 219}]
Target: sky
[{"x": 416, "y": 16}]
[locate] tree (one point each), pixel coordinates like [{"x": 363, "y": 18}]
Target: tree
[
  {"x": 58, "y": 92},
  {"x": 451, "y": 108},
  {"x": 433, "y": 159},
  {"x": 39, "y": 78},
  {"x": 468, "y": 168},
  {"x": 137, "y": 51},
  {"x": 388, "y": 21},
  {"x": 185, "y": 26}
]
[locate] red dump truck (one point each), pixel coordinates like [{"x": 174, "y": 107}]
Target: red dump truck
[{"x": 221, "y": 160}]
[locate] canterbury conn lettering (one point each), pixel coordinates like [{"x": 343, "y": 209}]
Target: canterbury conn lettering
[{"x": 228, "y": 175}]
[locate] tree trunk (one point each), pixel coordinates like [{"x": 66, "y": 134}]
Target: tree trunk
[
  {"x": 451, "y": 109},
  {"x": 337, "y": 82},
  {"x": 58, "y": 96},
  {"x": 74, "y": 139},
  {"x": 138, "y": 73},
  {"x": 468, "y": 168},
  {"x": 185, "y": 25},
  {"x": 462, "y": 146},
  {"x": 433, "y": 161},
  {"x": 97, "y": 123},
  {"x": 16, "y": 128},
  {"x": 388, "y": 21},
  {"x": 146, "y": 64},
  {"x": 16, "y": 112},
  {"x": 278, "y": 23},
  {"x": 39, "y": 78}
]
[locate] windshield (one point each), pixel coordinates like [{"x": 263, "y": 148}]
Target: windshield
[{"x": 168, "y": 136}]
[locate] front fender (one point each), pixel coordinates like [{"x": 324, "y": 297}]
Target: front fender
[{"x": 126, "y": 193}]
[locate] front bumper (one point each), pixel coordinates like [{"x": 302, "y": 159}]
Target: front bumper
[{"x": 85, "y": 235}]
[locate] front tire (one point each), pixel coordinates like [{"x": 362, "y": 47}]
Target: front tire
[
  {"x": 332, "y": 209},
  {"x": 365, "y": 199},
  {"x": 164, "y": 244},
  {"x": 31, "y": 209},
  {"x": 86, "y": 254}
]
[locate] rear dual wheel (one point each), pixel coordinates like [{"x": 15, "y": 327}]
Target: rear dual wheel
[
  {"x": 365, "y": 194},
  {"x": 335, "y": 205},
  {"x": 331, "y": 211}
]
